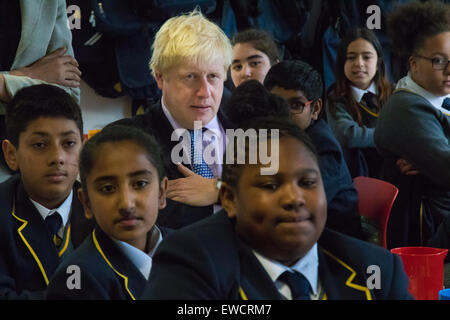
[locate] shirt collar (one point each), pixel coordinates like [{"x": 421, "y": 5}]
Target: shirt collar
[
  {"x": 63, "y": 209},
  {"x": 214, "y": 134},
  {"x": 308, "y": 266},
  {"x": 142, "y": 260},
  {"x": 408, "y": 83},
  {"x": 359, "y": 93}
]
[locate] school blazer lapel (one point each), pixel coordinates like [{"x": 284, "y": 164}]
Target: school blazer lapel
[
  {"x": 340, "y": 279},
  {"x": 31, "y": 229},
  {"x": 131, "y": 278},
  {"x": 255, "y": 282}
]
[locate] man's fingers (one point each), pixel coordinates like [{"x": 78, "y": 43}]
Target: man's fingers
[
  {"x": 72, "y": 75},
  {"x": 173, "y": 183},
  {"x": 184, "y": 170},
  {"x": 175, "y": 195},
  {"x": 68, "y": 60},
  {"x": 71, "y": 83},
  {"x": 58, "y": 52}
]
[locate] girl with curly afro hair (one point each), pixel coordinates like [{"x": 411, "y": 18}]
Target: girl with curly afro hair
[{"x": 413, "y": 129}]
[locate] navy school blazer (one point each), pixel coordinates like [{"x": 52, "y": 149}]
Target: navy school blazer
[
  {"x": 208, "y": 261},
  {"x": 176, "y": 214},
  {"x": 28, "y": 257},
  {"x": 105, "y": 272}
]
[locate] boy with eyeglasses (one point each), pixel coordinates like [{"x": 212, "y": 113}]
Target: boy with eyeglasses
[{"x": 301, "y": 86}]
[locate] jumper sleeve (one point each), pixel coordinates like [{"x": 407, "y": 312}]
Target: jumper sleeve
[
  {"x": 410, "y": 127},
  {"x": 347, "y": 131}
]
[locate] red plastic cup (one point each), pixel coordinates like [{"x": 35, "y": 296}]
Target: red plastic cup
[{"x": 425, "y": 269}]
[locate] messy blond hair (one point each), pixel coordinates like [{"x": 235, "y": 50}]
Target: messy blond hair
[{"x": 189, "y": 38}]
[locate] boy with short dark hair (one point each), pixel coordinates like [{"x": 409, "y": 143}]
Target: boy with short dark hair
[
  {"x": 43, "y": 220},
  {"x": 301, "y": 86}
]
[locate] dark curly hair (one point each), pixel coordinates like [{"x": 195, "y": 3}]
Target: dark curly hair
[
  {"x": 251, "y": 99},
  {"x": 411, "y": 24},
  {"x": 231, "y": 172}
]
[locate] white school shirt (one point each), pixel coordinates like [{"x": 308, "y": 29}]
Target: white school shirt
[
  {"x": 408, "y": 83},
  {"x": 358, "y": 93},
  {"x": 142, "y": 260},
  {"x": 308, "y": 266},
  {"x": 63, "y": 210}
]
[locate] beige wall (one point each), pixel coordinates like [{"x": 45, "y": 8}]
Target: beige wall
[{"x": 99, "y": 111}]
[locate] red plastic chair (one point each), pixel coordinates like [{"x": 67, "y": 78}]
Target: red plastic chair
[{"x": 376, "y": 198}]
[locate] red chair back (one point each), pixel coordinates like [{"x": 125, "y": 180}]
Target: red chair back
[{"x": 376, "y": 198}]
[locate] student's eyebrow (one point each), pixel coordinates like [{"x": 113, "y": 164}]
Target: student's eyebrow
[
  {"x": 140, "y": 172},
  {"x": 104, "y": 178},
  {"x": 66, "y": 133},
  {"x": 40, "y": 133},
  {"x": 131, "y": 174},
  {"x": 439, "y": 53},
  {"x": 255, "y": 56},
  {"x": 46, "y": 134},
  {"x": 301, "y": 172},
  {"x": 364, "y": 52},
  {"x": 309, "y": 171},
  {"x": 280, "y": 174}
]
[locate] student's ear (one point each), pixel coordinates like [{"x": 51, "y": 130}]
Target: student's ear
[
  {"x": 10, "y": 154},
  {"x": 85, "y": 202},
  {"x": 228, "y": 199},
  {"x": 317, "y": 107},
  {"x": 412, "y": 63},
  {"x": 163, "y": 192}
]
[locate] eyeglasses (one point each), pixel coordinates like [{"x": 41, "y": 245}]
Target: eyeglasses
[
  {"x": 437, "y": 63},
  {"x": 298, "y": 106}
]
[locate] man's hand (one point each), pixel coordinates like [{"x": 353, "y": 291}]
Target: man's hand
[
  {"x": 406, "y": 168},
  {"x": 193, "y": 190},
  {"x": 56, "y": 67}
]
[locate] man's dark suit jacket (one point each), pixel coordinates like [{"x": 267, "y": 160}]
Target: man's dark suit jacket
[
  {"x": 28, "y": 257},
  {"x": 155, "y": 122},
  {"x": 105, "y": 272},
  {"x": 207, "y": 260}
]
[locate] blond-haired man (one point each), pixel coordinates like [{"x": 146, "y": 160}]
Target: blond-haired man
[{"x": 190, "y": 59}]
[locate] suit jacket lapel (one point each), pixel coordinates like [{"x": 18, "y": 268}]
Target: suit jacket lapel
[
  {"x": 163, "y": 131},
  {"x": 32, "y": 230},
  {"x": 255, "y": 281},
  {"x": 132, "y": 279}
]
